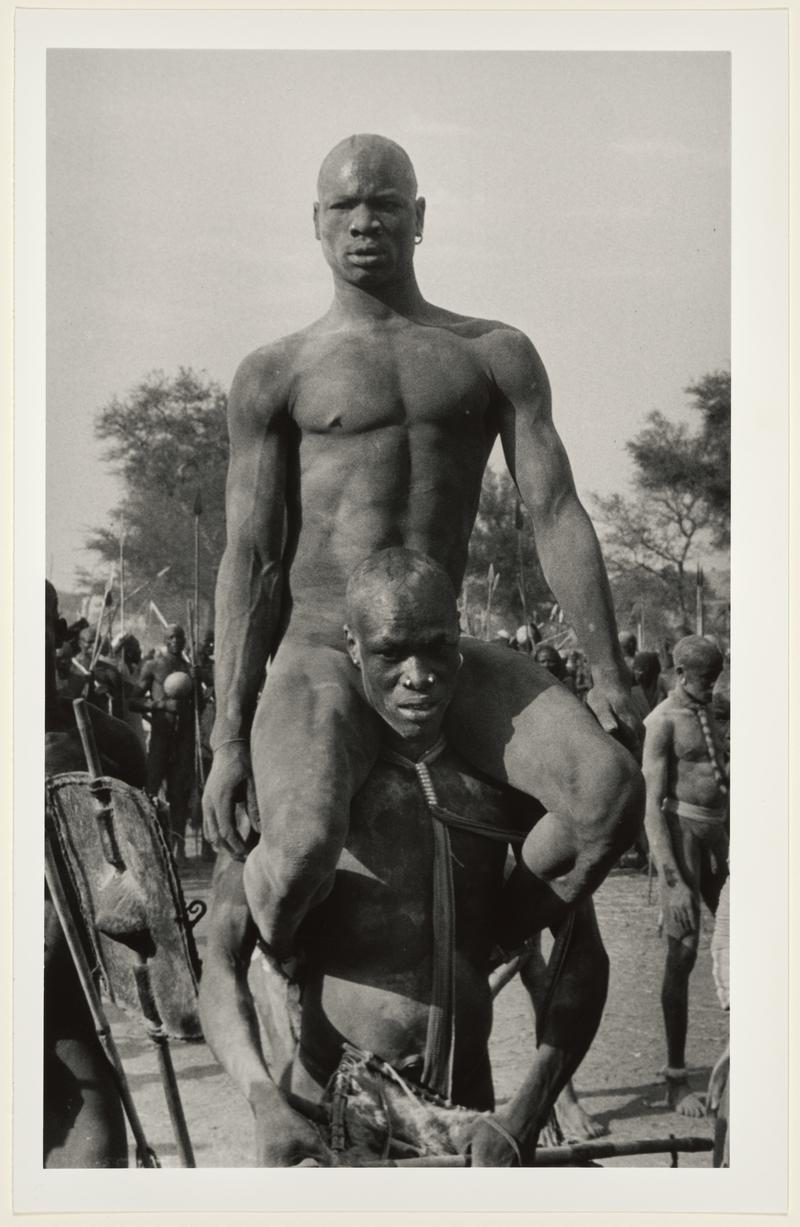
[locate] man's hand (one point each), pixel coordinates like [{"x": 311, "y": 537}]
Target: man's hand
[
  {"x": 493, "y": 1145},
  {"x": 679, "y": 903},
  {"x": 226, "y": 785},
  {"x": 284, "y": 1138},
  {"x": 610, "y": 700}
]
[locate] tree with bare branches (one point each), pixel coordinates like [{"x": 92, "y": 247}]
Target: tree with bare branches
[{"x": 680, "y": 508}]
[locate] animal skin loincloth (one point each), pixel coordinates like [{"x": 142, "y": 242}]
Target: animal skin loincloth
[{"x": 375, "y": 1113}]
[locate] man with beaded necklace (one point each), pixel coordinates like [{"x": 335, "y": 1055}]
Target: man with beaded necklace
[{"x": 687, "y": 823}]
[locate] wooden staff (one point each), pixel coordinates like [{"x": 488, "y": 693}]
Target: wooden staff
[
  {"x": 108, "y": 601},
  {"x": 492, "y": 580},
  {"x": 700, "y": 609},
  {"x": 568, "y": 1156},
  {"x": 194, "y": 656}
]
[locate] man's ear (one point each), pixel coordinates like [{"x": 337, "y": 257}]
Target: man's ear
[
  {"x": 316, "y": 218},
  {"x": 419, "y": 209},
  {"x": 352, "y": 647}
]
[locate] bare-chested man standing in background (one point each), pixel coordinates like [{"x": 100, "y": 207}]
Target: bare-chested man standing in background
[
  {"x": 687, "y": 825},
  {"x": 371, "y": 428}
]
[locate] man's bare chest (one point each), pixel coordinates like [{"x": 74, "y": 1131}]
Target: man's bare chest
[
  {"x": 690, "y": 741},
  {"x": 163, "y": 666},
  {"x": 348, "y": 384}
]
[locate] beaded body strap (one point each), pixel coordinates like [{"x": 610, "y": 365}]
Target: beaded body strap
[{"x": 719, "y": 775}]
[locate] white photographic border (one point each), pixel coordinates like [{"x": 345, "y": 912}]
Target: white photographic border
[{"x": 758, "y": 1180}]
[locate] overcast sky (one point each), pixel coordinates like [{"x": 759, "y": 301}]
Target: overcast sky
[{"x": 583, "y": 197}]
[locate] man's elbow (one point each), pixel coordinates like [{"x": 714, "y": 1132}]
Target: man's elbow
[{"x": 620, "y": 807}]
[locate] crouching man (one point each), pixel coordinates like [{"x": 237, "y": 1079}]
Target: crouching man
[{"x": 389, "y": 1055}]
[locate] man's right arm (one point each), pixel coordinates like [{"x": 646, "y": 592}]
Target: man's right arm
[
  {"x": 250, "y": 584},
  {"x": 658, "y": 748}
]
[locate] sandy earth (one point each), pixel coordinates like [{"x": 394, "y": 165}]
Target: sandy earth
[{"x": 617, "y": 1083}]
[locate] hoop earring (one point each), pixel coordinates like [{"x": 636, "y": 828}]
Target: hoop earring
[{"x": 417, "y": 240}]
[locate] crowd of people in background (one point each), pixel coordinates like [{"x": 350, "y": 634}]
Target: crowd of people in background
[
  {"x": 164, "y": 696},
  {"x": 652, "y": 673}
]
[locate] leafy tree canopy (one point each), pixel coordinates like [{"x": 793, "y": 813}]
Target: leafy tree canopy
[
  {"x": 168, "y": 440},
  {"x": 680, "y": 510}
]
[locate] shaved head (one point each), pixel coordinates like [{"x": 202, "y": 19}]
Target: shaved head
[
  {"x": 397, "y": 575},
  {"x": 403, "y": 637},
  {"x": 695, "y": 652},
  {"x": 367, "y": 153}
]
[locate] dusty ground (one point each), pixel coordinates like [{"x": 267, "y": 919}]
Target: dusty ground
[{"x": 617, "y": 1081}]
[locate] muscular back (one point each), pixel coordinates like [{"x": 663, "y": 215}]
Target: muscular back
[{"x": 388, "y": 428}]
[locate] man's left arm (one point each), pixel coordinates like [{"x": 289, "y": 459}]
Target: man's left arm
[{"x": 565, "y": 539}]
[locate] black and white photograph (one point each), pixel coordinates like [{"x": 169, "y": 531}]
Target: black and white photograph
[{"x": 394, "y": 673}]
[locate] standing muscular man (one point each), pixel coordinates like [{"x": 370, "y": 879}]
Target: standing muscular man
[
  {"x": 371, "y": 428},
  {"x": 687, "y": 825}
]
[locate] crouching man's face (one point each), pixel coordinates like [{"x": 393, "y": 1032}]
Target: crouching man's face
[{"x": 405, "y": 643}]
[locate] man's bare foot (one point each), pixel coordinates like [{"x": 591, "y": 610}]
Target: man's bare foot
[
  {"x": 576, "y": 1124},
  {"x": 680, "y": 1096}
]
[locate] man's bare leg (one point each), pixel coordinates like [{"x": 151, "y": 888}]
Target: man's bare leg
[
  {"x": 566, "y": 1033},
  {"x": 313, "y": 744},
  {"x": 681, "y": 957},
  {"x": 575, "y": 1123}
]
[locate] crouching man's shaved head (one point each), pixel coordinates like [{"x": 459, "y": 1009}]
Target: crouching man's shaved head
[
  {"x": 402, "y": 633},
  {"x": 398, "y": 575}
]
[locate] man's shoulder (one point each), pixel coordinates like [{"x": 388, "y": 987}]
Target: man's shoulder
[
  {"x": 263, "y": 381},
  {"x": 660, "y": 717},
  {"x": 159, "y": 665},
  {"x": 473, "y": 328},
  {"x": 275, "y": 357}
]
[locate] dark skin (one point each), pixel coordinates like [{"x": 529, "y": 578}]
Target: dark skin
[
  {"x": 676, "y": 764},
  {"x": 155, "y": 671},
  {"x": 373, "y": 427},
  {"x": 368, "y": 967}
]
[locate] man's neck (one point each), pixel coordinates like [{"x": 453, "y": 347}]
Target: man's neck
[
  {"x": 682, "y": 698},
  {"x": 412, "y": 749},
  {"x": 352, "y": 302}
]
